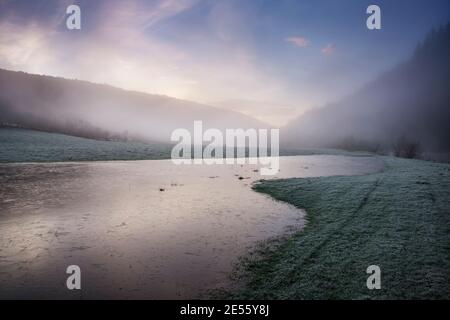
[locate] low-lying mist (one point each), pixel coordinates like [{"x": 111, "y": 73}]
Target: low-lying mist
[
  {"x": 407, "y": 107},
  {"x": 404, "y": 111},
  {"x": 103, "y": 112}
]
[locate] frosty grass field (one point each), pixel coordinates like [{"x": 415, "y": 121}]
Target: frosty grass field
[
  {"x": 398, "y": 219},
  {"x": 22, "y": 145}
]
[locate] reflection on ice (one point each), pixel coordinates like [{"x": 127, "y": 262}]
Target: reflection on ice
[{"x": 145, "y": 229}]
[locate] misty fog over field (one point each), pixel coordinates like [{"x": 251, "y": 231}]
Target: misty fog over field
[
  {"x": 100, "y": 111},
  {"x": 408, "y": 103},
  {"x": 138, "y": 71},
  {"x": 411, "y": 101}
]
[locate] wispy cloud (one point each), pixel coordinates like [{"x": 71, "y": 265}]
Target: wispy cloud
[
  {"x": 200, "y": 50},
  {"x": 329, "y": 49},
  {"x": 120, "y": 44},
  {"x": 298, "y": 41},
  {"x": 142, "y": 15}
]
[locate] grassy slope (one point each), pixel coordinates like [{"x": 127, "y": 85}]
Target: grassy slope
[
  {"x": 398, "y": 219},
  {"x": 21, "y": 145},
  {"x": 324, "y": 151}
]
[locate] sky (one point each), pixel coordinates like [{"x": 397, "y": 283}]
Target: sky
[{"x": 269, "y": 59}]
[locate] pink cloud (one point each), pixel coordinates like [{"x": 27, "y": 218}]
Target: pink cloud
[
  {"x": 329, "y": 49},
  {"x": 298, "y": 41}
]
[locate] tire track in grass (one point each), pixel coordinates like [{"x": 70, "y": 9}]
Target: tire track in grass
[
  {"x": 341, "y": 225},
  {"x": 397, "y": 219}
]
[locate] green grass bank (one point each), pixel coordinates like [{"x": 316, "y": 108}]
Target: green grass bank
[
  {"x": 23, "y": 145},
  {"x": 397, "y": 219}
]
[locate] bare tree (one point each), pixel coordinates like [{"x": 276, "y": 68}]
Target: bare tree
[{"x": 405, "y": 148}]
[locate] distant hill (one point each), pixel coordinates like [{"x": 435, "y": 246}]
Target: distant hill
[
  {"x": 98, "y": 111},
  {"x": 410, "y": 101}
]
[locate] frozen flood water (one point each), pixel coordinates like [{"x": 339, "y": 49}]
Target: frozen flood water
[{"x": 140, "y": 229}]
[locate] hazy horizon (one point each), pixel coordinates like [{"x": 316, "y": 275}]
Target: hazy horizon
[{"x": 269, "y": 60}]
